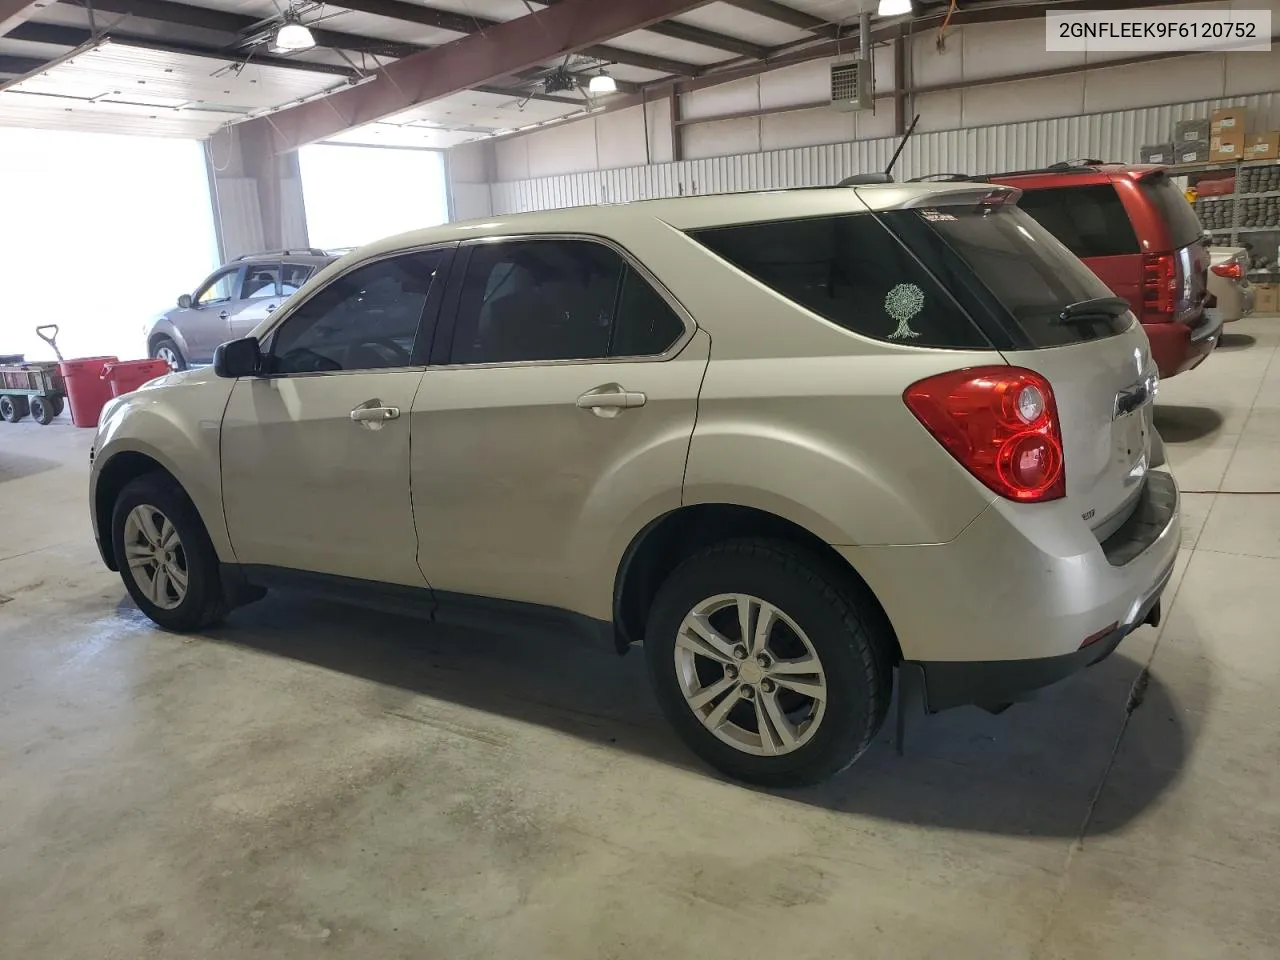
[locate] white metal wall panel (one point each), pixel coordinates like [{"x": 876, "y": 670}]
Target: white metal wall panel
[
  {"x": 239, "y": 215},
  {"x": 1012, "y": 146}
]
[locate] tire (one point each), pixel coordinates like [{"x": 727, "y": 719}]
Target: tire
[
  {"x": 13, "y": 407},
  {"x": 836, "y": 620},
  {"x": 202, "y": 603},
  {"x": 165, "y": 349},
  {"x": 58, "y": 406},
  {"x": 42, "y": 411}
]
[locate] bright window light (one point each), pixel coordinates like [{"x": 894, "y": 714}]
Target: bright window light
[
  {"x": 893, "y": 8},
  {"x": 98, "y": 261},
  {"x": 354, "y": 194}
]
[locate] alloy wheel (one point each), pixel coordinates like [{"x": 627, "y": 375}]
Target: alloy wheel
[
  {"x": 156, "y": 558},
  {"x": 169, "y": 356},
  {"x": 750, "y": 674}
]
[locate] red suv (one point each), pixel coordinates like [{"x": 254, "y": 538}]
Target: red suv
[{"x": 1133, "y": 227}]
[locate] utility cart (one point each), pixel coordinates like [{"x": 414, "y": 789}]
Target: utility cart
[{"x": 34, "y": 388}]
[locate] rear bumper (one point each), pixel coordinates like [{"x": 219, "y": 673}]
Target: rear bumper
[
  {"x": 1025, "y": 595},
  {"x": 1178, "y": 347},
  {"x": 994, "y": 683}
]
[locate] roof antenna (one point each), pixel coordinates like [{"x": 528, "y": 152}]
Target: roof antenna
[{"x": 859, "y": 179}]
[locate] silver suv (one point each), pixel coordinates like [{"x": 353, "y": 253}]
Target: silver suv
[
  {"x": 789, "y": 441},
  {"x": 233, "y": 300}
]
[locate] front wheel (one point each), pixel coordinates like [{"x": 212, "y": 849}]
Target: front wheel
[
  {"x": 164, "y": 555},
  {"x": 770, "y": 666},
  {"x": 166, "y": 350}
]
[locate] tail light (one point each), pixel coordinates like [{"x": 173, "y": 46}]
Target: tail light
[
  {"x": 1159, "y": 283},
  {"x": 1001, "y": 424},
  {"x": 1232, "y": 271}
]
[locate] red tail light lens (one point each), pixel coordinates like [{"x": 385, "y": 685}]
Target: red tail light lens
[
  {"x": 1001, "y": 424},
  {"x": 1159, "y": 283},
  {"x": 1232, "y": 271}
]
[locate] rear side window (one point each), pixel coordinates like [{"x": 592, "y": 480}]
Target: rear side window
[
  {"x": 1184, "y": 225},
  {"x": 1090, "y": 220},
  {"x": 852, "y": 271}
]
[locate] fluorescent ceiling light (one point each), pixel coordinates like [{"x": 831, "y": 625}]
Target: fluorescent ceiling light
[
  {"x": 893, "y": 8},
  {"x": 603, "y": 83},
  {"x": 294, "y": 36}
]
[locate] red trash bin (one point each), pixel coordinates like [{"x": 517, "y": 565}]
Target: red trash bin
[
  {"x": 125, "y": 376},
  {"x": 86, "y": 391}
]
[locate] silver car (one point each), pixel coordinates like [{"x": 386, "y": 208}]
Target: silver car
[
  {"x": 230, "y": 302},
  {"x": 790, "y": 442}
]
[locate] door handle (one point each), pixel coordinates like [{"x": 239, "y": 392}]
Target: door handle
[
  {"x": 373, "y": 414},
  {"x": 223, "y": 315},
  {"x": 271, "y": 306},
  {"x": 610, "y": 399}
]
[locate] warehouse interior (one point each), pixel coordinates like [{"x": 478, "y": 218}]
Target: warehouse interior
[{"x": 302, "y": 775}]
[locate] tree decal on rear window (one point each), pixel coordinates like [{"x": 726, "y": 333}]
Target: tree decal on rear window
[{"x": 904, "y": 303}]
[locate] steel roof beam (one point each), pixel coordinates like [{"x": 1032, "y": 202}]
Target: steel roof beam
[
  {"x": 467, "y": 25},
  {"x": 784, "y": 14},
  {"x": 565, "y": 28},
  {"x": 709, "y": 38}
]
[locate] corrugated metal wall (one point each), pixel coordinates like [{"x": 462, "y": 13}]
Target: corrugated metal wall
[{"x": 1105, "y": 136}]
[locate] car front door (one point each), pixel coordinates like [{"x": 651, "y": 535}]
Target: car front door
[
  {"x": 315, "y": 451},
  {"x": 259, "y": 297},
  {"x": 558, "y": 410},
  {"x": 203, "y": 325}
]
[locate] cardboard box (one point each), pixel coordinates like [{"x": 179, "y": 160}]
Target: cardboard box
[
  {"x": 1156, "y": 153},
  {"x": 1189, "y": 131},
  {"x": 1197, "y": 151},
  {"x": 1266, "y": 298},
  {"x": 1227, "y": 120},
  {"x": 1226, "y": 147},
  {"x": 1262, "y": 146}
]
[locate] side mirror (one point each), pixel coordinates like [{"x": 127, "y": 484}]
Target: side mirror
[
  {"x": 238, "y": 358},
  {"x": 184, "y": 301}
]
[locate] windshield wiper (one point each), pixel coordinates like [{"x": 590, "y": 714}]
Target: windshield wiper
[{"x": 1090, "y": 311}]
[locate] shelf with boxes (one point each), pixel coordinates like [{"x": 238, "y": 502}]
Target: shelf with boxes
[
  {"x": 1222, "y": 138},
  {"x": 1253, "y": 189}
]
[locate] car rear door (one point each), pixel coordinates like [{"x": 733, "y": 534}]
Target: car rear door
[
  {"x": 1099, "y": 364},
  {"x": 556, "y": 417}
]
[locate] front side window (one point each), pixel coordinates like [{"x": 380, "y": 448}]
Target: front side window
[
  {"x": 367, "y": 319},
  {"x": 217, "y": 288},
  {"x": 260, "y": 281},
  {"x": 557, "y": 299},
  {"x": 293, "y": 276}
]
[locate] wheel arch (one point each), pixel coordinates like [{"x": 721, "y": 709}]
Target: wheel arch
[{"x": 667, "y": 540}]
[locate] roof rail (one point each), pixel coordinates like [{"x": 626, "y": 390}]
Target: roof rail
[
  {"x": 950, "y": 178},
  {"x": 297, "y": 252}
]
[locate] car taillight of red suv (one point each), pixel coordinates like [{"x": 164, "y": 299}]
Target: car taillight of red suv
[{"x": 1133, "y": 227}]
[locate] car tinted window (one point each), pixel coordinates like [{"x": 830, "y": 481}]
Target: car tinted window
[
  {"x": 526, "y": 300},
  {"x": 293, "y": 276},
  {"x": 367, "y": 319},
  {"x": 646, "y": 325},
  {"x": 1090, "y": 220},
  {"x": 260, "y": 281},
  {"x": 1025, "y": 275},
  {"x": 218, "y": 287},
  {"x": 850, "y": 270},
  {"x": 1184, "y": 225}
]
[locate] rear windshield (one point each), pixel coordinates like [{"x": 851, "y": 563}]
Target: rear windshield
[
  {"x": 1091, "y": 221},
  {"x": 1027, "y": 276},
  {"x": 959, "y": 277},
  {"x": 1184, "y": 225}
]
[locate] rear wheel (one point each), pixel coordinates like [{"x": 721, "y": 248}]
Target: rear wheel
[
  {"x": 164, "y": 555},
  {"x": 42, "y": 410},
  {"x": 13, "y": 407},
  {"x": 58, "y": 406},
  {"x": 773, "y": 668},
  {"x": 166, "y": 350}
]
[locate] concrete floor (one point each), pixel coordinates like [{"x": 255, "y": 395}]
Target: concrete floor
[{"x": 315, "y": 780}]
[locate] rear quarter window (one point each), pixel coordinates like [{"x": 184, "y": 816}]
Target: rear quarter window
[
  {"x": 1177, "y": 213},
  {"x": 850, "y": 270},
  {"x": 1091, "y": 221}
]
